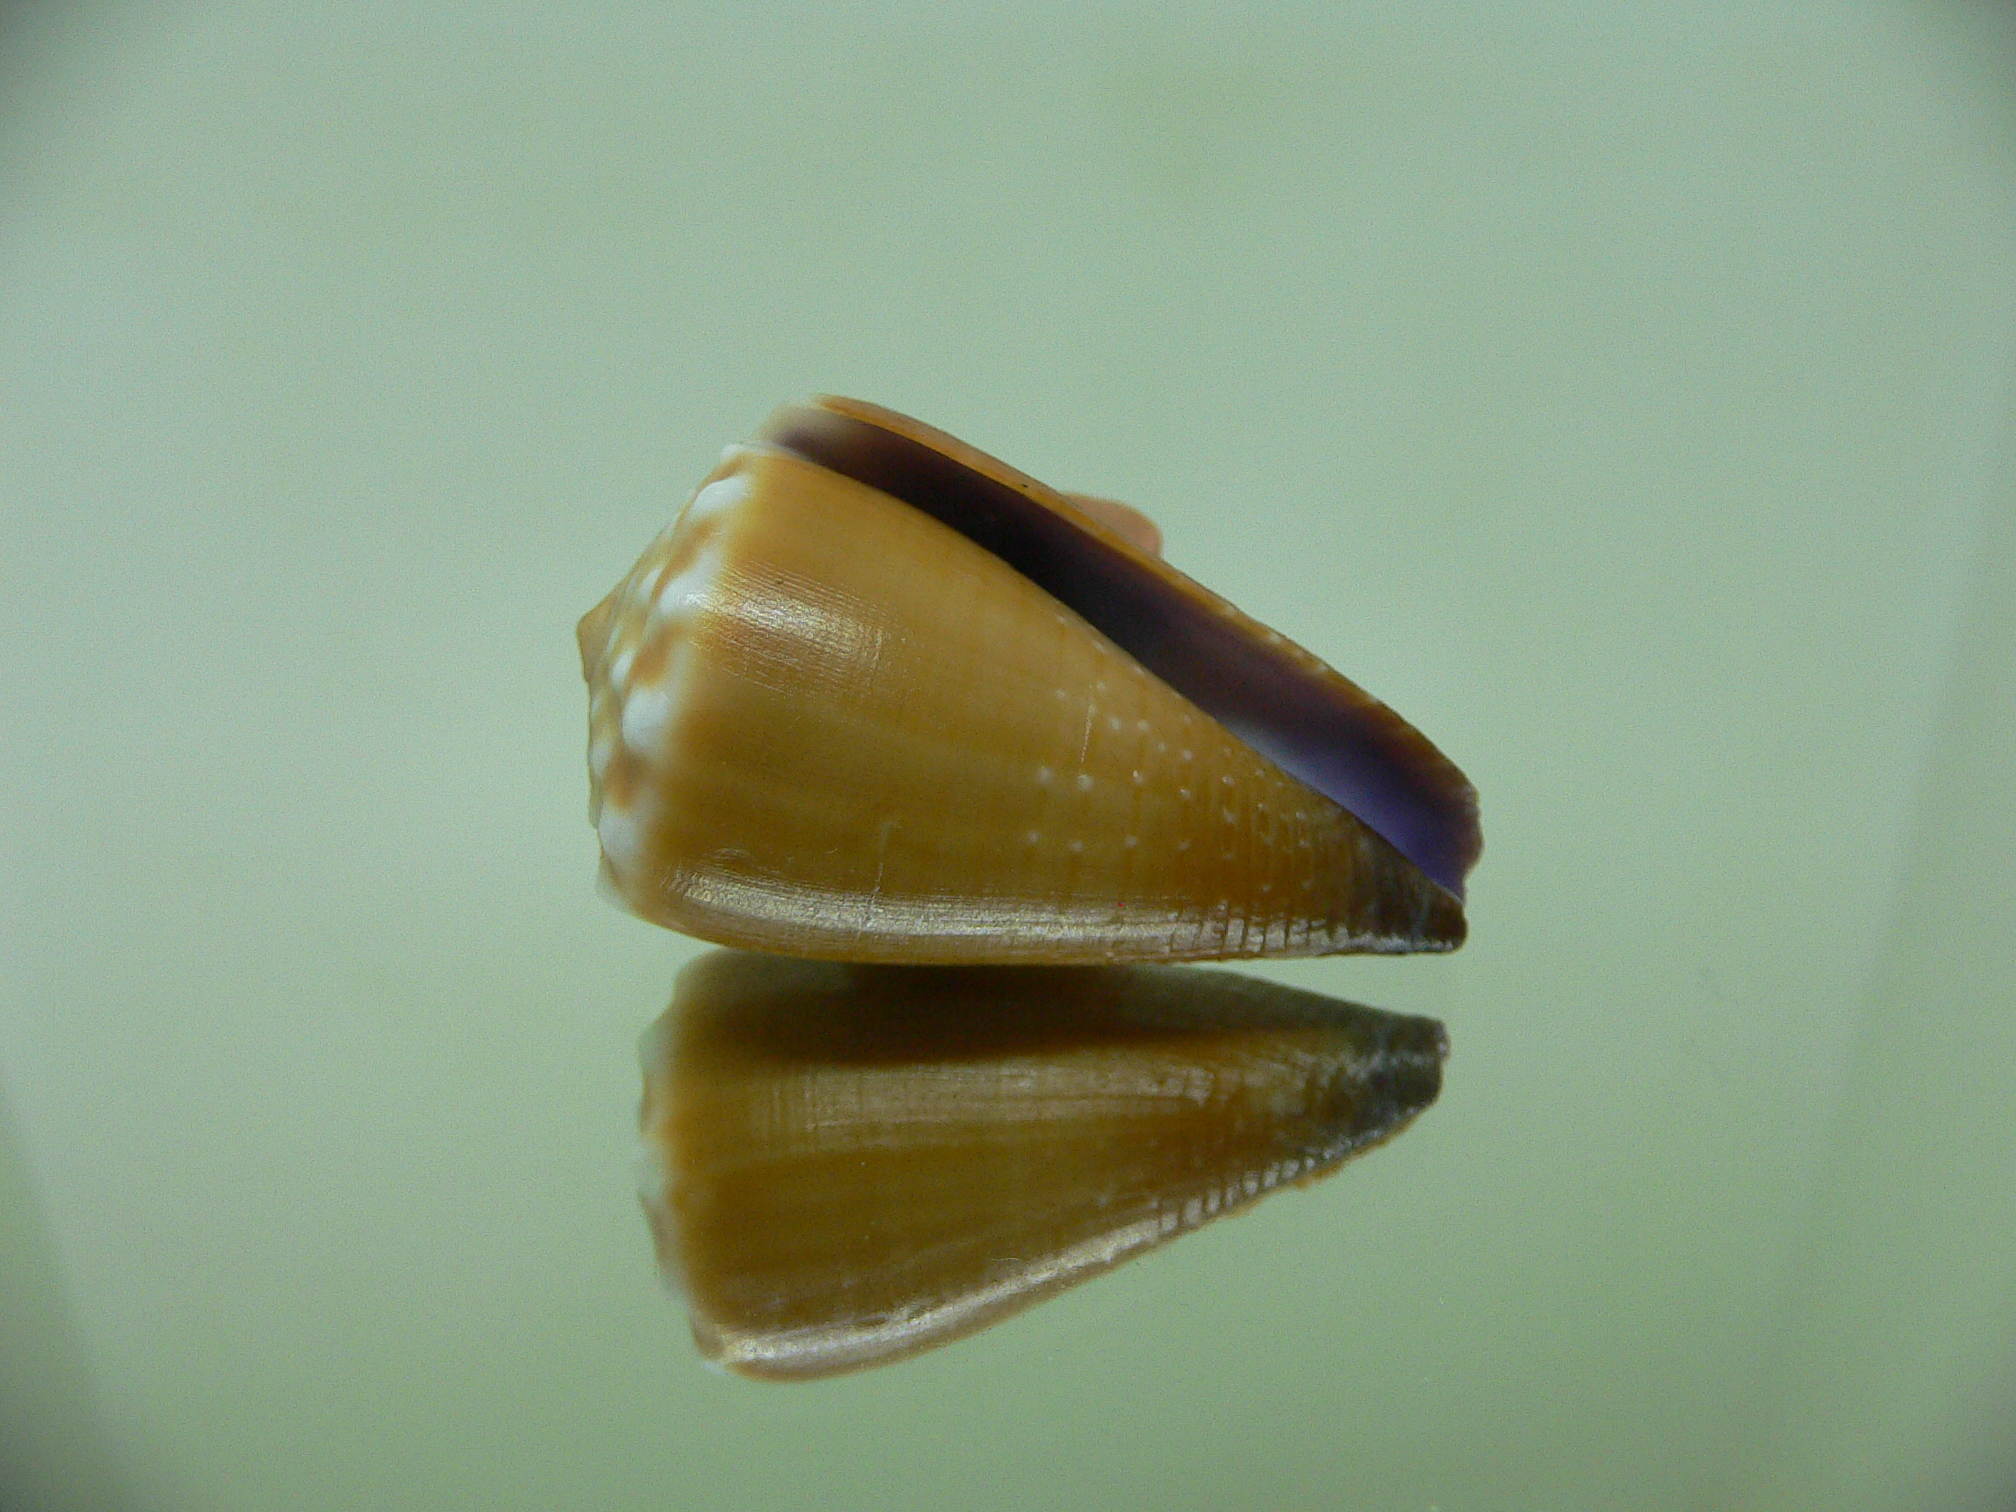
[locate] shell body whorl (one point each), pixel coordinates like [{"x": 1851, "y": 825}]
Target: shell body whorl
[{"x": 825, "y": 724}]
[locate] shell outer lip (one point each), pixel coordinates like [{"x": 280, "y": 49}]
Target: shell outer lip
[{"x": 1280, "y": 699}]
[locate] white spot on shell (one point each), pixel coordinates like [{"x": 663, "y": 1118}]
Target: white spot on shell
[
  {"x": 1034, "y": 837},
  {"x": 1113, "y": 722},
  {"x": 1131, "y": 841},
  {"x": 1183, "y": 755},
  {"x": 1139, "y": 780},
  {"x": 622, "y": 836},
  {"x": 1076, "y": 847},
  {"x": 1230, "y": 817},
  {"x": 718, "y": 497},
  {"x": 1043, "y": 776},
  {"x": 686, "y": 588},
  {"x": 647, "y": 718},
  {"x": 1084, "y": 782}
]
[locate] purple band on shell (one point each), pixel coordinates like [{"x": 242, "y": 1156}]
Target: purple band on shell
[{"x": 1307, "y": 719}]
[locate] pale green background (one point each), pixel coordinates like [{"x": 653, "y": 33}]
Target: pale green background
[{"x": 1626, "y": 397}]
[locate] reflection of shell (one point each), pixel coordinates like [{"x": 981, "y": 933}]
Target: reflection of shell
[
  {"x": 823, "y": 722},
  {"x": 845, "y": 1165}
]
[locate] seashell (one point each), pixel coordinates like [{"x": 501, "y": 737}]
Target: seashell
[
  {"x": 843, "y": 1165},
  {"x": 876, "y": 696}
]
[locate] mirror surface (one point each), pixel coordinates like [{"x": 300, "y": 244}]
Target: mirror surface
[{"x": 1626, "y": 400}]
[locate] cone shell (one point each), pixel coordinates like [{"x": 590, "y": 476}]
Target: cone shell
[
  {"x": 824, "y": 724},
  {"x": 843, "y": 1165}
]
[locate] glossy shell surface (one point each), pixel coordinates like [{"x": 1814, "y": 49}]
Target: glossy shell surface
[
  {"x": 825, "y": 722},
  {"x": 1282, "y": 700}
]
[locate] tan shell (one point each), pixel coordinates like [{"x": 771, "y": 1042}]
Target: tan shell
[
  {"x": 1289, "y": 705},
  {"x": 844, "y": 1165},
  {"x": 824, "y": 724}
]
